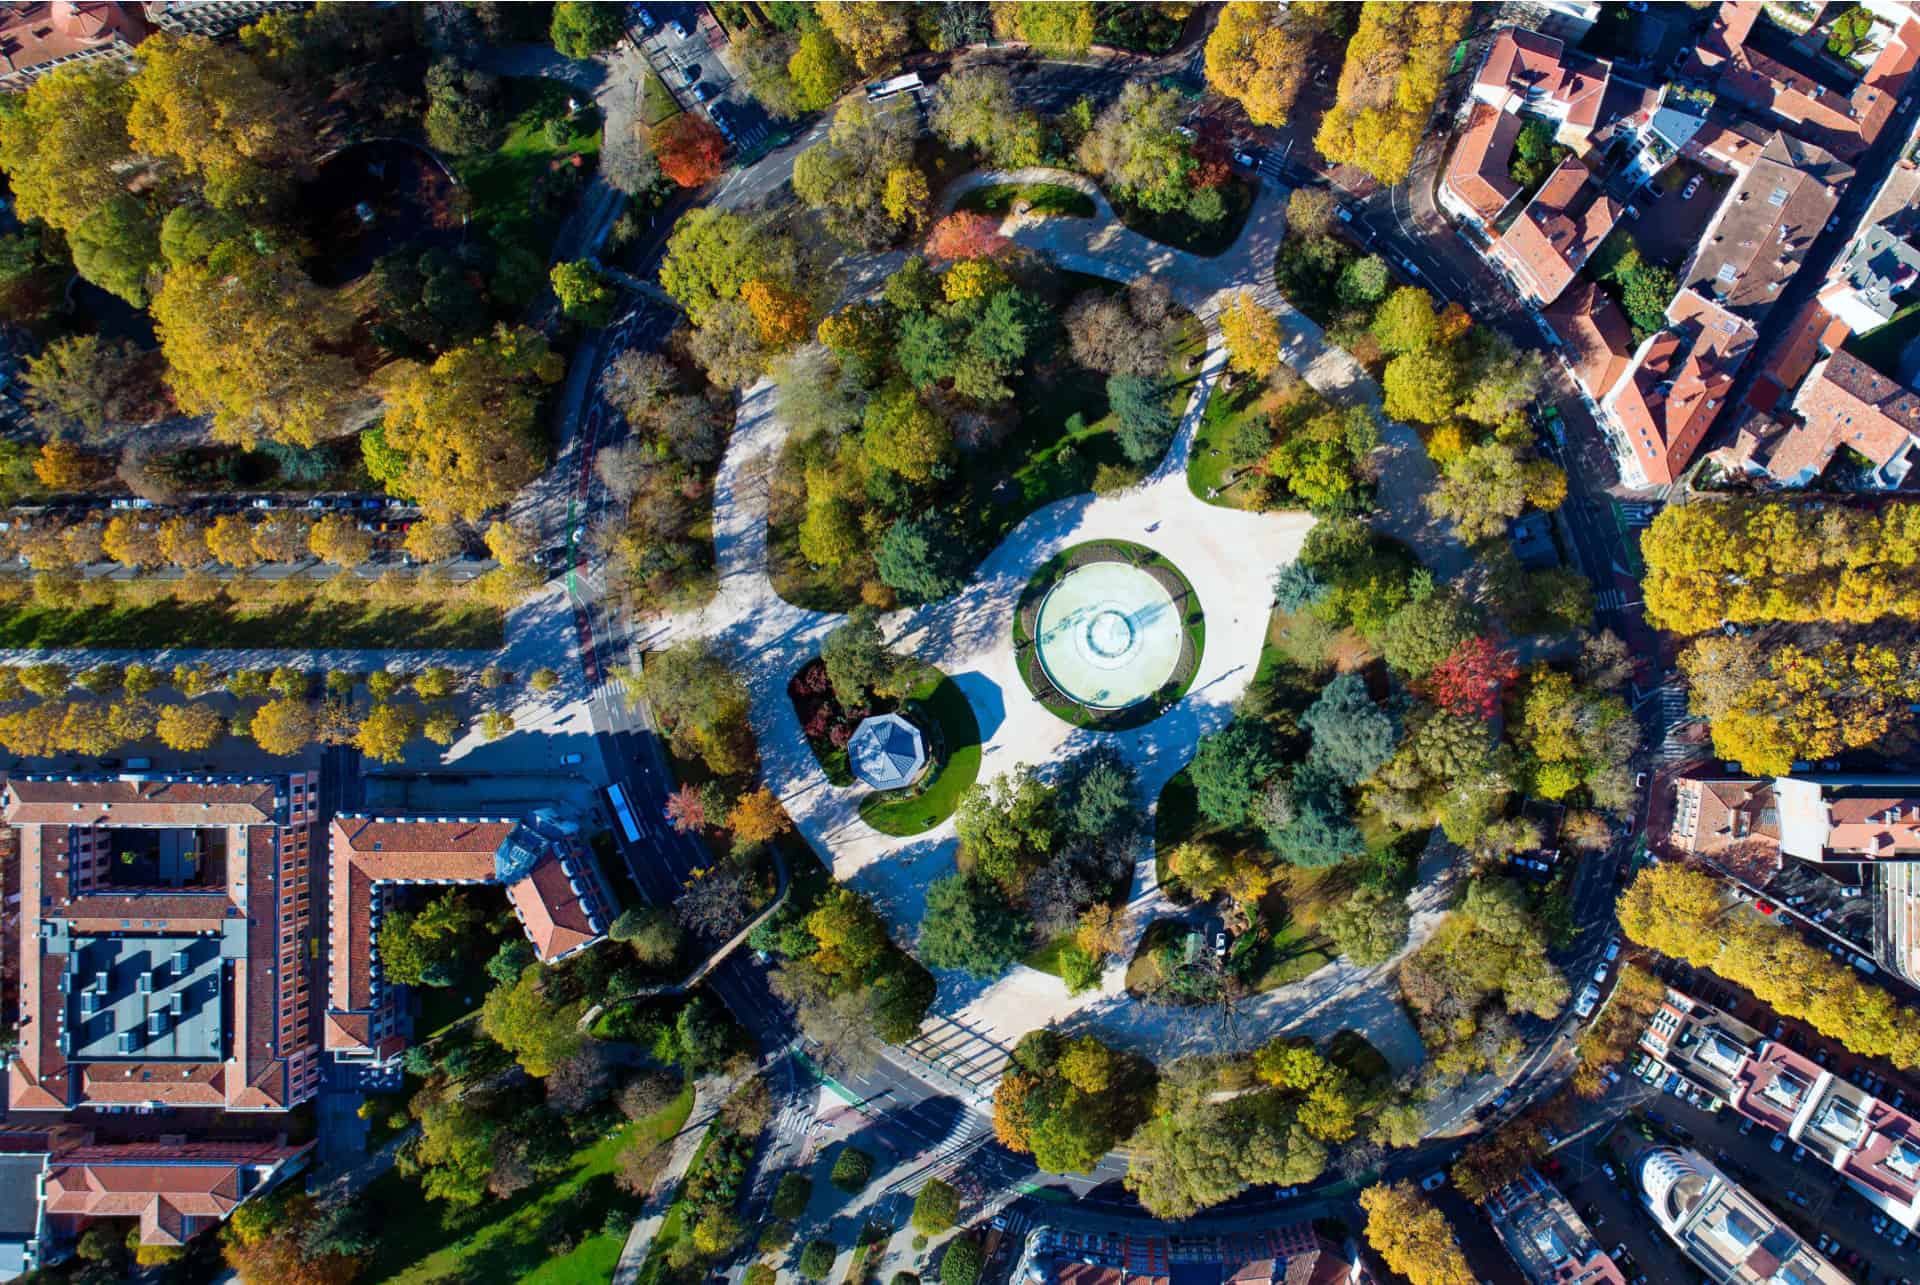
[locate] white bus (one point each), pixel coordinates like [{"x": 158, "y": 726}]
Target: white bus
[
  {"x": 617, "y": 797},
  {"x": 907, "y": 84}
]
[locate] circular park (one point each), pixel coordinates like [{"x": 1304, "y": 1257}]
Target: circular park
[{"x": 1108, "y": 635}]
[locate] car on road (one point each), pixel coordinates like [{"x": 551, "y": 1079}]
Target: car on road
[
  {"x": 1693, "y": 185},
  {"x": 1588, "y": 1001},
  {"x": 1246, "y": 160},
  {"x": 1746, "y": 1127},
  {"x": 703, "y": 92},
  {"x": 1779, "y": 1142},
  {"x": 1433, "y": 1181},
  {"x": 1411, "y": 271}
]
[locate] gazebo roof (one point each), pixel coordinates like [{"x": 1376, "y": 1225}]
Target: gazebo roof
[{"x": 887, "y": 752}]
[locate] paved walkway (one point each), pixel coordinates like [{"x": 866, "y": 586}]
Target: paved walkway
[
  {"x": 708, "y": 1096},
  {"x": 1229, "y": 556}
]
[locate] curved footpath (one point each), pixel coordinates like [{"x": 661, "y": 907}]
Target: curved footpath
[{"x": 1230, "y": 557}]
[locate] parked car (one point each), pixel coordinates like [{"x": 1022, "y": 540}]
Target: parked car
[
  {"x": 1434, "y": 1180},
  {"x": 1588, "y": 1001},
  {"x": 1693, "y": 185},
  {"x": 1613, "y": 950},
  {"x": 679, "y": 30},
  {"x": 1779, "y": 1142}
]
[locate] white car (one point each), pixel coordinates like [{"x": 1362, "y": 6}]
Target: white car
[
  {"x": 1588, "y": 1001},
  {"x": 1600, "y": 973},
  {"x": 1693, "y": 185}
]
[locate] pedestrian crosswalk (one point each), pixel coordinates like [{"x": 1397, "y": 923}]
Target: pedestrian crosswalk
[{"x": 1609, "y": 600}]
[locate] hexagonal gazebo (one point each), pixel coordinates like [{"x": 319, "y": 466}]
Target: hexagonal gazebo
[{"x": 887, "y": 752}]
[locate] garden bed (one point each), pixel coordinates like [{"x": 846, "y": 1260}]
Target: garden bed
[
  {"x": 1180, "y": 230},
  {"x": 1040, "y": 198},
  {"x": 939, "y": 705}
]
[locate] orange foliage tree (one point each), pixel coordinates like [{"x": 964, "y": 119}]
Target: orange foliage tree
[
  {"x": 689, "y": 150},
  {"x": 964, "y": 235}
]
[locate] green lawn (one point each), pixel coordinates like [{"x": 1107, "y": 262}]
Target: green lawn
[
  {"x": 889, "y": 813},
  {"x": 445, "y": 1006},
  {"x": 1045, "y": 958},
  {"x": 1041, "y": 198},
  {"x": 1210, "y": 460},
  {"x": 172, "y": 623},
  {"x": 509, "y": 1240},
  {"x": 1289, "y": 954},
  {"x": 501, "y": 183},
  {"x": 657, "y": 102}
]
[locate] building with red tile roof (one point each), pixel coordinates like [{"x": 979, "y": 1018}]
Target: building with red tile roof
[
  {"x": 163, "y": 941},
  {"x": 1675, "y": 387},
  {"x": 37, "y": 38},
  {"x": 1598, "y": 342},
  {"x": 551, "y": 881},
  {"x": 1477, "y": 187},
  {"x": 1527, "y": 72},
  {"x": 1846, "y": 404},
  {"x": 1714, "y": 818},
  {"x": 1803, "y": 100},
  {"x": 1556, "y": 234},
  {"x": 176, "y": 1188}
]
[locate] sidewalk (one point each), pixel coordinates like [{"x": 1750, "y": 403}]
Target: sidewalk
[{"x": 707, "y": 1099}]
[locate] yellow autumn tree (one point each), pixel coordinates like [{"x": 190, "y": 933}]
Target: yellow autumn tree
[
  {"x": 784, "y": 316},
  {"x": 1258, "y": 56},
  {"x": 207, "y": 108},
  {"x": 1412, "y": 1237},
  {"x": 64, "y": 145},
  {"x": 1252, "y": 336},
  {"x": 465, "y": 432},
  {"x": 875, "y": 34},
  {"x": 251, "y": 341},
  {"x": 1395, "y": 65}
]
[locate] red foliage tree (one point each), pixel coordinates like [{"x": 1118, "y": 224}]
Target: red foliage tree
[
  {"x": 1471, "y": 680},
  {"x": 686, "y": 810},
  {"x": 964, "y": 235},
  {"x": 689, "y": 149}
]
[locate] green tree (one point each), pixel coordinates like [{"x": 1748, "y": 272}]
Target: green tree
[
  {"x": 1352, "y": 736},
  {"x": 1646, "y": 294},
  {"x": 1370, "y": 926},
  {"x": 969, "y": 926},
  {"x": 857, "y": 658},
  {"x": 1136, "y": 146},
  {"x": 1422, "y": 386},
  {"x": 116, "y": 247},
  {"x": 820, "y": 69},
  {"x": 922, "y": 559},
  {"x": 1006, "y": 827},
  {"x": 1061, "y": 29},
  {"x": 904, "y": 435},
  {"x": 1423, "y": 633},
  {"x": 936, "y": 1209},
  {"x": 711, "y": 254},
  {"x": 585, "y": 294},
  {"x": 1145, "y": 424},
  {"x": 1406, "y": 321},
  {"x": 973, "y": 107},
  {"x": 525, "y": 1019},
  {"x": 961, "y": 1263},
  {"x": 1228, "y": 768},
  {"x": 582, "y": 28}
]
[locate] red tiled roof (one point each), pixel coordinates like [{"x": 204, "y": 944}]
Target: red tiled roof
[
  {"x": 33, "y": 35},
  {"x": 1678, "y": 383},
  {"x": 270, "y": 1064},
  {"x": 367, "y": 851},
  {"x": 74, "y": 801},
  {"x": 1812, "y": 331},
  {"x": 1846, "y": 403},
  {"x": 1557, "y": 232},
  {"x": 1477, "y": 173},
  {"x": 1599, "y": 344},
  {"x": 1532, "y": 67},
  {"x": 556, "y": 917},
  {"x": 1844, "y": 124},
  {"x": 172, "y": 1187}
]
